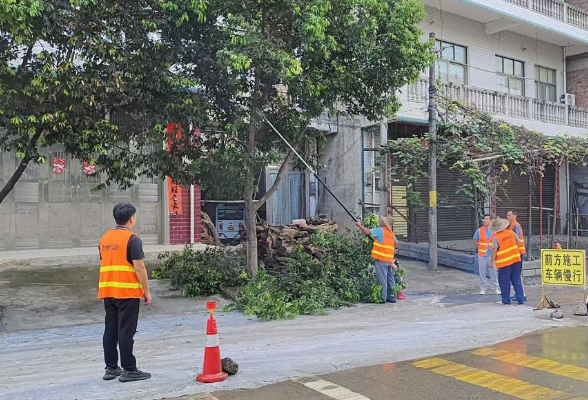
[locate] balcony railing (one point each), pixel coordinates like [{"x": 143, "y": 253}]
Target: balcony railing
[
  {"x": 556, "y": 9},
  {"x": 498, "y": 103}
]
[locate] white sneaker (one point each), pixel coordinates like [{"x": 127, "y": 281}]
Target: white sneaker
[
  {"x": 498, "y": 292},
  {"x": 482, "y": 292}
]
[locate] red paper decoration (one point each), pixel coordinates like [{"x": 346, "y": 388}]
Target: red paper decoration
[
  {"x": 58, "y": 165},
  {"x": 88, "y": 169}
]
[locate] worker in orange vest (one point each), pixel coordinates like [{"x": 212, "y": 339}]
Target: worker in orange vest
[
  {"x": 483, "y": 240},
  {"x": 505, "y": 257},
  {"x": 123, "y": 283},
  {"x": 383, "y": 251},
  {"x": 514, "y": 226}
]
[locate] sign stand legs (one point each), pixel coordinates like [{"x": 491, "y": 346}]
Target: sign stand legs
[{"x": 545, "y": 302}]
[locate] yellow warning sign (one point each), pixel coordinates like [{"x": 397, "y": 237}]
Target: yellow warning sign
[
  {"x": 433, "y": 199},
  {"x": 563, "y": 267}
]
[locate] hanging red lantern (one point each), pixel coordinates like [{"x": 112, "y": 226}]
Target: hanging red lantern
[
  {"x": 58, "y": 165},
  {"x": 88, "y": 169}
]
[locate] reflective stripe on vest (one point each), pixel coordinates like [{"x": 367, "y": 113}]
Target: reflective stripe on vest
[
  {"x": 484, "y": 243},
  {"x": 521, "y": 237},
  {"x": 384, "y": 251},
  {"x": 508, "y": 250},
  {"x": 117, "y": 276}
]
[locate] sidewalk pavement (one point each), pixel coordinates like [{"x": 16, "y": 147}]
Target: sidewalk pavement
[{"x": 79, "y": 255}]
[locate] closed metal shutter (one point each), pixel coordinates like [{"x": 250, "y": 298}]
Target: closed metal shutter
[
  {"x": 514, "y": 195},
  {"x": 456, "y": 219}
]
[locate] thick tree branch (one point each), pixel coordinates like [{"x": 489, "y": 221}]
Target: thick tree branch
[
  {"x": 276, "y": 184},
  {"x": 21, "y": 167},
  {"x": 27, "y": 57}
]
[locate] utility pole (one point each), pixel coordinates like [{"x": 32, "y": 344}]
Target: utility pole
[
  {"x": 433, "y": 163},
  {"x": 384, "y": 169}
]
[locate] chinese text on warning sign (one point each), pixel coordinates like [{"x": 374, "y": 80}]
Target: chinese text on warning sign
[{"x": 563, "y": 267}]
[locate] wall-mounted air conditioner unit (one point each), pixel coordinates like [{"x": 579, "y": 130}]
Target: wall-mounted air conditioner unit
[{"x": 568, "y": 99}]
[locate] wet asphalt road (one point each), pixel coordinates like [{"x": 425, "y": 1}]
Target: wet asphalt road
[{"x": 541, "y": 366}]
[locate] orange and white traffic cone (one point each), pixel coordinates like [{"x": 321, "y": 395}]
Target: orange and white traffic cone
[{"x": 212, "y": 370}]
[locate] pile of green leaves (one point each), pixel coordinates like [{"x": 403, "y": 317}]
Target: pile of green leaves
[
  {"x": 343, "y": 276},
  {"x": 203, "y": 273}
]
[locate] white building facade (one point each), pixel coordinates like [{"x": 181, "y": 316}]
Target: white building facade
[{"x": 505, "y": 57}]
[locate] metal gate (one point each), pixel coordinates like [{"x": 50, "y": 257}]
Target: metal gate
[
  {"x": 285, "y": 204},
  {"x": 59, "y": 209}
]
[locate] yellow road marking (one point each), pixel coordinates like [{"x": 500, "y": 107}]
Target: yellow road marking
[
  {"x": 329, "y": 389},
  {"x": 499, "y": 383},
  {"x": 540, "y": 364}
]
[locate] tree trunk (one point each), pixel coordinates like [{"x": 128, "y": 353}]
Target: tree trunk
[
  {"x": 21, "y": 167},
  {"x": 251, "y": 223},
  {"x": 14, "y": 178},
  {"x": 250, "y": 210}
]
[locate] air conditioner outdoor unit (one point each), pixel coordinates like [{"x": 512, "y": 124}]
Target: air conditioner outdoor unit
[{"x": 568, "y": 99}]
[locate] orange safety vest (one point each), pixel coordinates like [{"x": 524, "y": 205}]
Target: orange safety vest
[
  {"x": 117, "y": 275},
  {"x": 521, "y": 237},
  {"x": 484, "y": 243},
  {"x": 508, "y": 250},
  {"x": 384, "y": 251}
]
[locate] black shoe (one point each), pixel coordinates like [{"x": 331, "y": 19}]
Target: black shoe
[
  {"x": 391, "y": 300},
  {"x": 112, "y": 373},
  {"x": 131, "y": 376}
]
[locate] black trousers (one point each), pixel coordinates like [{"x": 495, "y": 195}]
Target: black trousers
[{"x": 120, "y": 325}]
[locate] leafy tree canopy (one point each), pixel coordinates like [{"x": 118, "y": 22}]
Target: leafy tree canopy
[
  {"x": 66, "y": 65},
  {"x": 487, "y": 151}
]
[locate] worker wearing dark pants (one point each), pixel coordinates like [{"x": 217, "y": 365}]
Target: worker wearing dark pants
[
  {"x": 120, "y": 325},
  {"x": 516, "y": 227},
  {"x": 123, "y": 283},
  {"x": 506, "y": 257},
  {"x": 383, "y": 251}
]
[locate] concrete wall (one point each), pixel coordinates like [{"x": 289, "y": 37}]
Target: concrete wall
[
  {"x": 342, "y": 172},
  {"x": 577, "y": 73}
]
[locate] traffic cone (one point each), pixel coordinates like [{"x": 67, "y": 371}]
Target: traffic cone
[
  {"x": 558, "y": 246},
  {"x": 401, "y": 295},
  {"x": 212, "y": 370}
]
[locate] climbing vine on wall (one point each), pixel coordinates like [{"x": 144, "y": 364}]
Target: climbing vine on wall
[{"x": 486, "y": 151}]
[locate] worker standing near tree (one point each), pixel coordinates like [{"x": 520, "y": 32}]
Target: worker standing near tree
[
  {"x": 505, "y": 257},
  {"x": 123, "y": 283},
  {"x": 483, "y": 240},
  {"x": 514, "y": 226},
  {"x": 383, "y": 251}
]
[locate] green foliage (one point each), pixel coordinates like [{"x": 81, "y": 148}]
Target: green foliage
[
  {"x": 370, "y": 221},
  {"x": 65, "y": 65},
  {"x": 266, "y": 298},
  {"x": 486, "y": 151},
  {"x": 202, "y": 273},
  {"x": 376, "y": 295},
  {"x": 344, "y": 275}
]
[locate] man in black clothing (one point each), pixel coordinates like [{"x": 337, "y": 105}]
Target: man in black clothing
[{"x": 123, "y": 282}]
